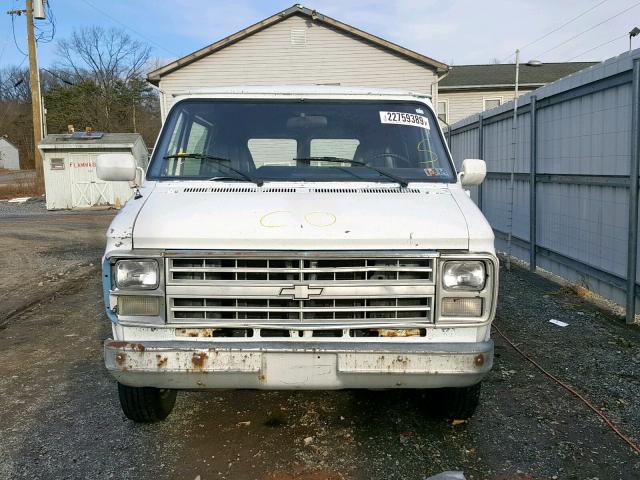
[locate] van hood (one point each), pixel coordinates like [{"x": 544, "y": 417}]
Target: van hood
[{"x": 290, "y": 218}]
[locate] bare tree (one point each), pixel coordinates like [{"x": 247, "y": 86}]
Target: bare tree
[
  {"x": 14, "y": 84},
  {"x": 110, "y": 58},
  {"x": 106, "y": 56}
]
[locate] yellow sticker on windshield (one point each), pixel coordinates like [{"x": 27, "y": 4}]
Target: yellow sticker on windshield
[{"x": 402, "y": 118}]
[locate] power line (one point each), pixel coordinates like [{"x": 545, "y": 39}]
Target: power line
[
  {"x": 558, "y": 28},
  {"x": 13, "y": 31},
  {"x": 46, "y": 30},
  {"x": 598, "y": 46},
  {"x": 588, "y": 30},
  {"x": 129, "y": 28}
]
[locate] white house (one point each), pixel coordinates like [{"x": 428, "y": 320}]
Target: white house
[
  {"x": 469, "y": 89},
  {"x": 299, "y": 46},
  {"x": 9, "y": 155}
]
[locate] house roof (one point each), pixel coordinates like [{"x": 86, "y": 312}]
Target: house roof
[
  {"x": 155, "y": 76},
  {"x": 504, "y": 74}
]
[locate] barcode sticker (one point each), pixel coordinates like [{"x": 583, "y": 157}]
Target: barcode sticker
[{"x": 402, "y": 118}]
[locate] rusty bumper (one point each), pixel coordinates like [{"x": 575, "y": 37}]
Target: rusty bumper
[{"x": 297, "y": 365}]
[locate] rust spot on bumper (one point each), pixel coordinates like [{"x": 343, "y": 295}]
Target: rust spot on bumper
[
  {"x": 121, "y": 358},
  {"x": 162, "y": 361},
  {"x": 136, "y": 347},
  {"x": 198, "y": 360},
  {"x": 479, "y": 360}
]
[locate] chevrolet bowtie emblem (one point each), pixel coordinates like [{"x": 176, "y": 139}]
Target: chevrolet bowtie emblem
[{"x": 301, "y": 292}]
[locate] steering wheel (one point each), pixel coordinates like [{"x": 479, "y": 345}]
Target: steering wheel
[{"x": 404, "y": 160}]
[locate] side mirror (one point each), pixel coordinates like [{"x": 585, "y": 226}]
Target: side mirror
[
  {"x": 473, "y": 172},
  {"x": 116, "y": 167}
]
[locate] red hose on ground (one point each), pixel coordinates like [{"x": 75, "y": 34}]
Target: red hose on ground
[{"x": 604, "y": 418}]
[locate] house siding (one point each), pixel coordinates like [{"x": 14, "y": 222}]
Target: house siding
[
  {"x": 327, "y": 56},
  {"x": 461, "y": 104}
]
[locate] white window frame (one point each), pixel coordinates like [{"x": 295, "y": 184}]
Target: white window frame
[
  {"x": 484, "y": 101},
  {"x": 446, "y": 108}
]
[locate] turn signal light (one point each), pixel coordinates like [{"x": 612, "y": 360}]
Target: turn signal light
[
  {"x": 142, "y": 305},
  {"x": 461, "y": 307}
]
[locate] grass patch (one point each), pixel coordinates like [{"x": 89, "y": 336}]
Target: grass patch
[{"x": 22, "y": 187}]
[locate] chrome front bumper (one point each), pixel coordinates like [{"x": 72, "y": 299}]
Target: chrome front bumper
[{"x": 299, "y": 365}]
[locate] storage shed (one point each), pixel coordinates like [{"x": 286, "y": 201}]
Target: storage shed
[
  {"x": 9, "y": 155},
  {"x": 69, "y": 162}
]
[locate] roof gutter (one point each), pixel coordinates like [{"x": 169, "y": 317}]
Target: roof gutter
[{"x": 501, "y": 86}]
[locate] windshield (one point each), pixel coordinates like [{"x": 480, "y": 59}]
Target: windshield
[{"x": 301, "y": 140}]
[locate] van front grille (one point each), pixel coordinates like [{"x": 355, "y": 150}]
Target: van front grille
[
  {"x": 242, "y": 291},
  {"x": 197, "y": 270}
]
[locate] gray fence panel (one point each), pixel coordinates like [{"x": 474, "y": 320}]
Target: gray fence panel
[
  {"x": 584, "y": 155},
  {"x": 466, "y": 146}
]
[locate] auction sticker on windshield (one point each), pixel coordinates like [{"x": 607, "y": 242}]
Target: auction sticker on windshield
[{"x": 403, "y": 118}]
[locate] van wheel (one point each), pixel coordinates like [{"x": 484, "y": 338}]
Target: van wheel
[
  {"x": 460, "y": 403},
  {"x": 146, "y": 404}
]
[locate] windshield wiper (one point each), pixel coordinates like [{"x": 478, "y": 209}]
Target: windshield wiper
[
  {"x": 213, "y": 158},
  {"x": 401, "y": 181}
]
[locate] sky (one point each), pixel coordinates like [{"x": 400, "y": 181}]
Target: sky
[{"x": 456, "y": 32}]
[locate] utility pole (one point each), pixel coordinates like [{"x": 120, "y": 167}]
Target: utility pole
[
  {"x": 514, "y": 153},
  {"x": 34, "y": 80},
  {"x": 36, "y": 106}
]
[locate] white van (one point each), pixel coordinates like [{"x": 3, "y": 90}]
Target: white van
[{"x": 299, "y": 238}]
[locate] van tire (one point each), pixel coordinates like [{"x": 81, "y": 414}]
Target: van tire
[
  {"x": 458, "y": 403},
  {"x": 146, "y": 404}
]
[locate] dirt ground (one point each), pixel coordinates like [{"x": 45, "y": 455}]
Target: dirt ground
[{"x": 60, "y": 417}]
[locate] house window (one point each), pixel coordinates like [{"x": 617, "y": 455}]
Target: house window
[
  {"x": 443, "y": 110},
  {"x": 490, "y": 103}
]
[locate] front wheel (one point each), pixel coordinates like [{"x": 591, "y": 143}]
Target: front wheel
[
  {"x": 458, "y": 403},
  {"x": 146, "y": 404}
]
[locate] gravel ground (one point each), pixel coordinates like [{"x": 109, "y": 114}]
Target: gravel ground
[
  {"x": 61, "y": 418},
  {"x": 42, "y": 251},
  {"x": 33, "y": 206}
]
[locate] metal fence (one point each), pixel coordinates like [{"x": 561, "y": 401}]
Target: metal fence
[{"x": 575, "y": 188}]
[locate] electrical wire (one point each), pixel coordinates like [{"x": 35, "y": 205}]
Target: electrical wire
[
  {"x": 558, "y": 28},
  {"x": 130, "y": 29},
  {"x": 588, "y": 30},
  {"x": 13, "y": 31},
  {"x": 46, "y": 30},
  {"x": 63, "y": 80},
  {"x": 571, "y": 390},
  {"x": 598, "y": 46}
]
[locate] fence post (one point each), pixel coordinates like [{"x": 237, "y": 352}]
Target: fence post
[
  {"x": 533, "y": 168},
  {"x": 480, "y": 153},
  {"x": 634, "y": 170}
]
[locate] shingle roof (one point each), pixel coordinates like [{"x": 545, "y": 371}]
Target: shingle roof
[{"x": 465, "y": 76}]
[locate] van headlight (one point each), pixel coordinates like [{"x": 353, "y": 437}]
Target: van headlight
[
  {"x": 136, "y": 274},
  {"x": 463, "y": 275}
]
